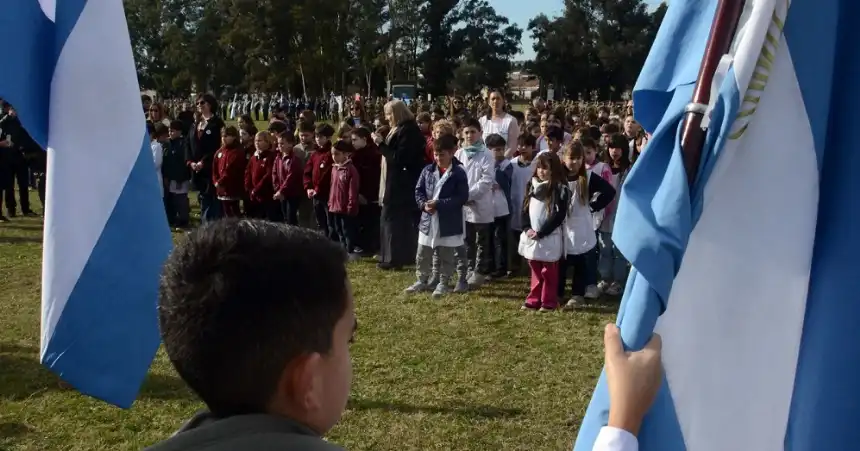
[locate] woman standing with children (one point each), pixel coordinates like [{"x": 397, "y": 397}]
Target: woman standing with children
[{"x": 403, "y": 160}]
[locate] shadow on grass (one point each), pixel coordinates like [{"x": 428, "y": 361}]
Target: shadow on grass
[
  {"x": 23, "y": 376},
  {"x": 486, "y": 412},
  {"x": 159, "y": 386},
  {"x": 20, "y": 239},
  {"x": 9, "y": 430},
  {"x": 24, "y": 227}
]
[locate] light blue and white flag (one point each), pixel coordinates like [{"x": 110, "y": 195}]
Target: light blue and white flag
[
  {"x": 69, "y": 72},
  {"x": 751, "y": 278}
]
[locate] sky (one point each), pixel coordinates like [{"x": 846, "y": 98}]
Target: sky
[{"x": 521, "y": 11}]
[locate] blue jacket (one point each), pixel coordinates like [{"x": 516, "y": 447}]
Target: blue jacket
[
  {"x": 449, "y": 206},
  {"x": 503, "y": 179}
]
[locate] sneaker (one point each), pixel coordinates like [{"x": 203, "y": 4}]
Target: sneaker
[
  {"x": 592, "y": 292},
  {"x": 417, "y": 287},
  {"x": 3, "y": 219},
  {"x": 477, "y": 280},
  {"x": 614, "y": 290},
  {"x": 546, "y": 309},
  {"x": 359, "y": 251},
  {"x": 532, "y": 307},
  {"x": 441, "y": 290},
  {"x": 30, "y": 214},
  {"x": 573, "y": 303},
  {"x": 602, "y": 286},
  {"x": 462, "y": 287}
]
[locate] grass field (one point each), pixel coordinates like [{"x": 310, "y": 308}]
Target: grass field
[{"x": 465, "y": 373}]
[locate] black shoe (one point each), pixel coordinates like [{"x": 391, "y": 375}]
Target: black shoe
[
  {"x": 30, "y": 214},
  {"x": 388, "y": 267}
]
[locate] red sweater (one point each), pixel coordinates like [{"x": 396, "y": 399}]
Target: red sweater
[
  {"x": 428, "y": 149},
  {"x": 258, "y": 177},
  {"x": 368, "y": 162},
  {"x": 344, "y": 190},
  {"x": 318, "y": 171},
  {"x": 287, "y": 175},
  {"x": 228, "y": 172}
]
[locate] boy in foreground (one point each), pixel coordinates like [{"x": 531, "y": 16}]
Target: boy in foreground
[{"x": 271, "y": 364}]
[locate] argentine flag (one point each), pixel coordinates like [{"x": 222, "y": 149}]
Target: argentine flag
[
  {"x": 752, "y": 276},
  {"x": 69, "y": 72}
]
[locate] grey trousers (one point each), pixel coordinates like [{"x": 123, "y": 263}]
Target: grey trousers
[{"x": 435, "y": 264}]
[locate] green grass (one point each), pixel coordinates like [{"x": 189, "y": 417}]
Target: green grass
[{"x": 466, "y": 373}]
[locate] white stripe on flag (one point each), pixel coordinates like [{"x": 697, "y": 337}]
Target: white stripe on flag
[{"x": 734, "y": 322}]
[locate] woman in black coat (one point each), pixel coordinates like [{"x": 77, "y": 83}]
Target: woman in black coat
[
  {"x": 403, "y": 160},
  {"x": 205, "y": 140}
]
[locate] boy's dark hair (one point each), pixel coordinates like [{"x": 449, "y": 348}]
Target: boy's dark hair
[
  {"x": 161, "y": 130},
  {"x": 278, "y": 128},
  {"x": 177, "y": 125},
  {"x": 424, "y": 118},
  {"x": 588, "y": 142},
  {"x": 343, "y": 146},
  {"x": 473, "y": 123},
  {"x": 518, "y": 115},
  {"x": 446, "y": 143},
  {"x": 495, "y": 140},
  {"x": 239, "y": 300},
  {"x": 325, "y": 130},
  {"x": 362, "y": 133},
  {"x": 555, "y": 133},
  {"x": 594, "y": 132},
  {"x": 610, "y": 128},
  {"x": 305, "y": 127},
  {"x": 438, "y": 112},
  {"x": 527, "y": 140},
  {"x": 288, "y": 137}
]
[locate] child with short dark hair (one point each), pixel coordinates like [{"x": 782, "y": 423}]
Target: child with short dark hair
[
  {"x": 271, "y": 364},
  {"x": 441, "y": 193},
  {"x": 480, "y": 168},
  {"x": 228, "y": 174},
  {"x": 343, "y": 198},
  {"x": 258, "y": 181},
  {"x": 317, "y": 179},
  {"x": 177, "y": 176},
  {"x": 287, "y": 179},
  {"x": 368, "y": 161},
  {"x": 500, "y": 226}
]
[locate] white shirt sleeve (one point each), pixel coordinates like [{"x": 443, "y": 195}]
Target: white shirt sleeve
[{"x": 614, "y": 439}]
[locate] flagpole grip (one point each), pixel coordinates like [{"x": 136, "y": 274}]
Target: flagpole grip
[{"x": 723, "y": 30}]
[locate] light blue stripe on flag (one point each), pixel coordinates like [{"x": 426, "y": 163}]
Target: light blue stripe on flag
[{"x": 106, "y": 236}]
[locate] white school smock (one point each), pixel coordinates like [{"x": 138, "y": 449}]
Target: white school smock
[
  {"x": 521, "y": 176},
  {"x": 579, "y": 236},
  {"x": 547, "y": 249},
  {"x": 481, "y": 173}
]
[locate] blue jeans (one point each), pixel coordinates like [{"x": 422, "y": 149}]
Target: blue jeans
[
  {"x": 210, "y": 207},
  {"x": 612, "y": 265},
  {"x": 346, "y": 227}
]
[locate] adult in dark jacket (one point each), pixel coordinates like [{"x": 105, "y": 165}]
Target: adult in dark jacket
[
  {"x": 17, "y": 157},
  {"x": 403, "y": 161},
  {"x": 205, "y": 141}
]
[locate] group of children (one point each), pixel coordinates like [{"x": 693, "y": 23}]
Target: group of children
[
  {"x": 554, "y": 207},
  {"x": 553, "y": 203}
]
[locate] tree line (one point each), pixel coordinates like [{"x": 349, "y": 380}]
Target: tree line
[{"x": 312, "y": 47}]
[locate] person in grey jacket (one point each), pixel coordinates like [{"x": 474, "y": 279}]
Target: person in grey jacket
[{"x": 260, "y": 333}]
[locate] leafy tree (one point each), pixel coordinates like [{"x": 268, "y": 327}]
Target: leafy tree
[{"x": 491, "y": 39}]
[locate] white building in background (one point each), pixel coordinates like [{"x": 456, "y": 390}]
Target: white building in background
[{"x": 523, "y": 85}]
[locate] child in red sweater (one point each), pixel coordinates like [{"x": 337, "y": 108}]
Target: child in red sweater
[
  {"x": 258, "y": 180},
  {"x": 287, "y": 178},
  {"x": 425, "y": 124},
  {"x": 343, "y": 199},
  {"x": 317, "y": 179},
  {"x": 229, "y": 172},
  {"x": 368, "y": 161}
]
